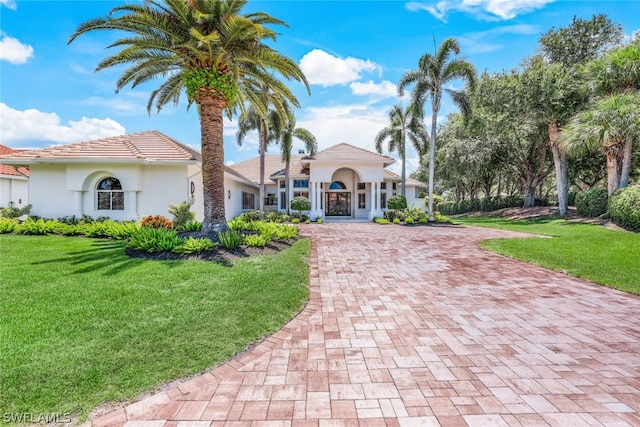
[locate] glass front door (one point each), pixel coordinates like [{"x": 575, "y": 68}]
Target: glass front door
[{"x": 338, "y": 204}]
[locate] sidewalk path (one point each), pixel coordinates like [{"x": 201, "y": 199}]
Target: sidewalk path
[{"x": 417, "y": 326}]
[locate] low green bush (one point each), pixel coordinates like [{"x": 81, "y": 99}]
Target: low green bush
[
  {"x": 319, "y": 220},
  {"x": 8, "y": 225},
  {"x": 38, "y": 227},
  {"x": 286, "y": 231},
  {"x": 624, "y": 207},
  {"x": 249, "y": 216},
  {"x": 441, "y": 218},
  {"x": 195, "y": 246},
  {"x": 396, "y": 220},
  {"x": 230, "y": 239},
  {"x": 295, "y": 220},
  {"x": 192, "y": 226},
  {"x": 408, "y": 220},
  {"x": 256, "y": 240},
  {"x": 423, "y": 220},
  {"x": 238, "y": 223},
  {"x": 11, "y": 211},
  {"x": 181, "y": 213},
  {"x": 592, "y": 203},
  {"x": 151, "y": 239},
  {"x": 275, "y": 216},
  {"x": 382, "y": 221},
  {"x": 397, "y": 202},
  {"x": 486, "y": 204}
]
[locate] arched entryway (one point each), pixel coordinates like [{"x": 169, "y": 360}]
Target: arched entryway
[{"x": 338, "y": 196}]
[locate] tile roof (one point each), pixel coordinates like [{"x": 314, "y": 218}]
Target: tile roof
[
  {"x": 272, "y": 163},
  {"x": 392, "y": 176},
  {"x": 143, "y": 146},
  {"x": 344, "y": 152},
  {"x": 10, "y": 170}
]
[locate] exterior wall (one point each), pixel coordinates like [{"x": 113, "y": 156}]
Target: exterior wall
[
  {"x": 194, "y": 178},
  {"x": 48, "y": 191},
  {"x": 367, "y": 173},
  {"x": 62, "y": 190},
  {"x": 14, "y": 189},
  {"x": 233, "y": 203}
]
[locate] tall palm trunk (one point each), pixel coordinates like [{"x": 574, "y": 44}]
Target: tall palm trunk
[
  {"x": 613, "y": 179},
  {"x": 263, "y": 149},
  {"x": 560, "y": 164},
  {"x": 432, "y": 156},
  {"x": 626, "y": 161},
  {"x": 286, "y": 185},
  {"x": 212, "y": 162},
  {"x": 403, "y": 178}
]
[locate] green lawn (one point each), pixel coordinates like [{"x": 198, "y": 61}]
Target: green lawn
[
  {"x": 592, "y": 252},
  {"x": 82, "y": 324}
]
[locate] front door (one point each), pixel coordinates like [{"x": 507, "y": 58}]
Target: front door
[{"x": 338, "y": 204}]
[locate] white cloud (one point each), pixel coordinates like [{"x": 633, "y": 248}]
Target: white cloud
[
  {"x": 324, "y": 69},
  {"x": 490, "y": 10},
  {"x": 13, "y": 51},
  {"x": 35, "y": 128},
  {"x": 11, "y": 4},
  {"x": 131, "y": 102},
  {"x": 384, "y": 89}
]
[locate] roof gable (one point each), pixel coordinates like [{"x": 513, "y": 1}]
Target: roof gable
[
  {"x": 139, "y": 147},
  {"x": 10, "y": 170},
  {"x": 345, "y": 153}
]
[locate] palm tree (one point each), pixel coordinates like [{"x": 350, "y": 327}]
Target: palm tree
[
  {"x": 251, "y": 120},
  {"x": 214, "y": 52},
  {"x": 403, "y": 124},
  {"x": 433, "y": 73},
  {"x": 607, "y": 126},
  {"x": 285, "y": 135}
]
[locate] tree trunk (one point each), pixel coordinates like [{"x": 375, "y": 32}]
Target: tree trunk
[
  {"x": 286, "y": 186},
  {"x": 432, "y": 157},
  {"x": 529, "y": 195},
  {"x": 560, "y": 164},
  {"x": 212, "y": 145},
  {"x": 612, "y": 172},
  {"x": 263, "y": 149},
  {"x": 403, "y": 178},
  {"x": 626, "y": 162}
]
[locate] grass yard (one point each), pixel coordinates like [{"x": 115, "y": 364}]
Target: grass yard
[
  {"x": 82, "y": 324},
  {"x": 592, "y": 252}
]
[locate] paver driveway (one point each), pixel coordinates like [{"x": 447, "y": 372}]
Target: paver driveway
[{"x": 419, "y": 327}]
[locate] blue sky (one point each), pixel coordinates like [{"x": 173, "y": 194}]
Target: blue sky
[{"x": 353, "y": 53}]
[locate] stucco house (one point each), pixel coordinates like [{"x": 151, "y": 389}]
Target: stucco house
[
  {"x": 14, "y": 182},
  {"x": 130, "y": 176}
]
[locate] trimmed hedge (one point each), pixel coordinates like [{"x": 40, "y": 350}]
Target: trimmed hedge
[
  {"x": 486, "y": 204},
  {"x": 624, "y": 207},
  {"x": 592, "y": 203}
]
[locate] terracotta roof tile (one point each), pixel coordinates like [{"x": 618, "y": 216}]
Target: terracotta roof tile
[
  {"x": 392, "y": 176},
  {"x": 149, "y": 145},
  {"x": 10, "y": 170},
  {"x": 272, "y": 163},
  {"x": 344, "y": 152}
]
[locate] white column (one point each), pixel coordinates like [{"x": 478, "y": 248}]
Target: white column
[
  {"x": 373, "y": 197},
  {"x": 312, "y": 195},
  {"x": 77, "y": 203}
]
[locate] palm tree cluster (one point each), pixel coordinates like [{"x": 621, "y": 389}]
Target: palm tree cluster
[
  {"x": 429, "y": 82},
  {"x": 218, "y": 55}
]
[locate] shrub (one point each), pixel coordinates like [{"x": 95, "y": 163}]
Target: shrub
[
  {"x": 486, "y": 204},
  {"x": 285, "y": 231},
  {"x": 38, "y": 227},
  {"x": 397, "y": 202},
  {"x": 256, "y": 240},
  {"x": 319, "y": 220},
  {"x": 592, "y": 203},
  {"x": 250, "y": 216},
  {"x": 300, "y": 203},
  {"x": 396, "y": 220},
  {"x": 437, "y": 199},
  {"x": 275, "y": 216},
  {"x": 156, "y": 221},
  {"x": 230, "y": 239},
  {"x": 181, "y": 213},
  {"x": 624, "y": 207},
  {"x": 123, "y": 230},
  {"x": 11, "y": 211},
  {"x": 441, "y": 218},
  {"x": 8, "y": 225},
  {"x": 382, "y": 221},
  {"x": 238, "y": 224},
  {"x": 295, "y": 220},
  {"x": 151, "y": 239},
  {"x": 408, "y": 220},
  {"x": 194, "y": 246},
  {"x": 67, "y": 229},
  {"x": 423, "y": 220},
  {"x": 192, "y": 226}
]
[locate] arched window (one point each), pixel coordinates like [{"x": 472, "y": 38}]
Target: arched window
[
  {"x": 110, "y": 195},
  {"x": 337, "y": 185}
]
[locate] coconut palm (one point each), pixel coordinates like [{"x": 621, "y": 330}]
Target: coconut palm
[
  {"x": 212, "y": 50},
  {"x": 433, "y": 73},
  {"x": 285, "y": 135},
  {"x": 607, "y": 126},
  {"x": 403, "y": 124}
]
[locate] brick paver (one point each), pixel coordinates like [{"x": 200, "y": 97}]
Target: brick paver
[{"x": 416, "y": 326}]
